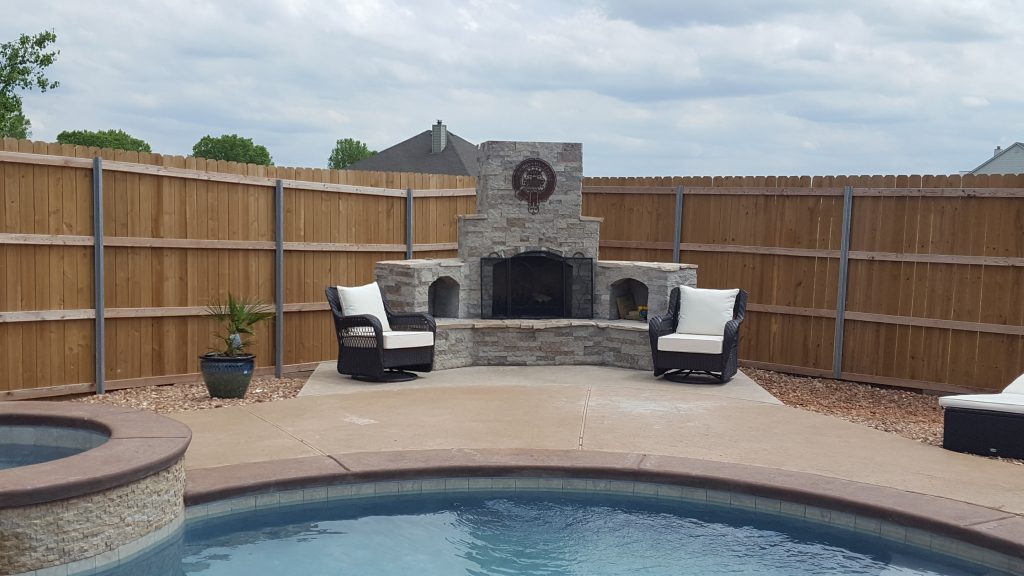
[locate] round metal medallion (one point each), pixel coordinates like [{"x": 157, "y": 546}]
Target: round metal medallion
[{"x": 533, "y": 181}]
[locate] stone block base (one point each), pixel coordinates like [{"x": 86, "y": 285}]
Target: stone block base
[
  {"x": 92, "y": 530},
  {"x": 620, "y": 343}
]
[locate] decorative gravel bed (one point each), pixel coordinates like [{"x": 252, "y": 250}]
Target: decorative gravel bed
[
  {"x": 909, "y": 414},
  {"x": 193, "y": 396},
  {"x": 906, "y": 413}
]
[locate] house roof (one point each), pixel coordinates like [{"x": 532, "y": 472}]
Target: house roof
[
  {"x": 413, "y": 155},
  {"x": 1014, "y": 146}
]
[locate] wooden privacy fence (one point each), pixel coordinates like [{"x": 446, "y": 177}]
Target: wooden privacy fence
[
  {"x": 176, "y": 234},
  {"x": 933, "y": 292},
  {"x": 933, "y": 288}
]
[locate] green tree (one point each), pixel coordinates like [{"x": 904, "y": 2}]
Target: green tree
[
  {"x": 21, "y": 67},
  {"x": 347, "y": 152},
  {"x": 232, "y": 147},
  {"x": 13, "y": 124},
  {"x": 117, "y": 139}
]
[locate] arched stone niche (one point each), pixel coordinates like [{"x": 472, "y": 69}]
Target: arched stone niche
[
  {"x": 625, "y": 295},
  {"x": 443, "y": 298}
]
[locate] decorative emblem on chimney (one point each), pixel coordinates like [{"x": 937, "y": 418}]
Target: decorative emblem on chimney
[{"x": 533, "y": 181}]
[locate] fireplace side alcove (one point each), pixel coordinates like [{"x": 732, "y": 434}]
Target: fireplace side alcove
[
  {"x": 626, "y": 297},
  {"x": 659, "y": 278},
  {"x": 408, "y": 285},
  {"x": 443, "y": 298}
]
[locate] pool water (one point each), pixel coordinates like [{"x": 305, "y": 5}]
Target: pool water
[
  {"x": 27, "y": 444},
  {"x": 536, "y": 534},
  {"x": 13, "y": 455}
]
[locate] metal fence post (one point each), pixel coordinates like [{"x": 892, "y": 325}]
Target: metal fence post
[
  {"x": 98, "y": 273},
  {"x": 279, "y": 278},
  {"x": 844, "y": 266},
  {"x": 408, "y": 223},
  {"x": 679, "y": 226}
]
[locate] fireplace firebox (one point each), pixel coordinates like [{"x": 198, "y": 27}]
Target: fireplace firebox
[{"x": 537, "y": 284}]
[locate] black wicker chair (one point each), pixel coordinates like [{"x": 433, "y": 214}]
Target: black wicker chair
[
  {"x": 361, "y": 344},
  {"x": 680, "y": 366}
]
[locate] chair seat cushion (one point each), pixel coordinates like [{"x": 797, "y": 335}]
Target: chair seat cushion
[
  {"x": 401, "y": 339},
  {"x": 1013, "y": 403},
  {"x": 691, "y": 343}
]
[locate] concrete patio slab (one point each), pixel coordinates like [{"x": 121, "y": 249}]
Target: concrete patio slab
[
  {"x": 234, "y": 435},
  {"x": 588, "y": 408},
  {"x": 424, "y": 417},
  {"x": 325, "y": 380}
]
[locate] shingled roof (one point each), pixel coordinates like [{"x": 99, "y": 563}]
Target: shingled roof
[{"x": 457, "y": 156}]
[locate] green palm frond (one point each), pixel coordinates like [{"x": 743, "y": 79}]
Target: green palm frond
[{"x": 238, "y": 316}]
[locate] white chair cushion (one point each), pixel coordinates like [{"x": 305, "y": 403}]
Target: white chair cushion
[
  {"x": 1015, "y": 387},
  {"x": 705, "y": 311},
  {"x": 398, "y": 339},
  {"x": 691, "y": 343},
  {"x": 1013, "y": 403},
  {"x": 364, "y": 300}
]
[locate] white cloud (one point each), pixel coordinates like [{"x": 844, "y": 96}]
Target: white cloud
[
  {"x": 974, "y": 102},
  {"x": 731, "y": 87}
]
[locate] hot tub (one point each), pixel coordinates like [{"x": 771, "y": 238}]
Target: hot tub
[
  {"x": 86, "y": 483},
  {"x": 27, "y": 444}
]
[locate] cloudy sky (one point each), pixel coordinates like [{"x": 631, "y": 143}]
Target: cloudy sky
[{"x": 724, "y": 87}]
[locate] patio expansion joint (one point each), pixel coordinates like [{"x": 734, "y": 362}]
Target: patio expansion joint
[
  {"x": 339, "y": 463},
  {"x": 293, "y": 436},
  {"x": 1009, "y": 516},
  {"x": 583, "y": 423}
]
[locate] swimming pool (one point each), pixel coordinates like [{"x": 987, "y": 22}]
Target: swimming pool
[{"x": 535, "y": 531}]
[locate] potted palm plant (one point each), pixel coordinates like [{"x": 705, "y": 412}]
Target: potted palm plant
[{"x": 228, "y": 371}]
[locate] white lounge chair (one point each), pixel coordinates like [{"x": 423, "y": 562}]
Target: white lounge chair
[{"x": 987, "y": 424}]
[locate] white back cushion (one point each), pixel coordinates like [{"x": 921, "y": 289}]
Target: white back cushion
[
  {"x": 364, "y": 300},
  {"x": 1015, "y": 387},
  {"x": 705, "y": 311}
]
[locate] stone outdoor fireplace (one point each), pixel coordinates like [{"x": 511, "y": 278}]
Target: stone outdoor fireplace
[{"x": 529, "y": 254}]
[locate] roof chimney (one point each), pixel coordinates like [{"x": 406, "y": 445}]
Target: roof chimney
[
  {"x": 438, "y": 138},
  {"x": 997, "y": 151}
]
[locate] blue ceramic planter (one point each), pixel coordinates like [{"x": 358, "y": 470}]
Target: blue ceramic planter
[{"x": 227, "y": 376}]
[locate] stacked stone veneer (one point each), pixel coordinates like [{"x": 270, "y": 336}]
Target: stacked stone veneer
[
  {"x": 619, "y": 343},
  {"x": 503, "y": 227},
  {"x": 94, "y": 529}
]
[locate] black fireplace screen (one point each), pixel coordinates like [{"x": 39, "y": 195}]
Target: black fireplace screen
[{"x": 537, "y": 284}]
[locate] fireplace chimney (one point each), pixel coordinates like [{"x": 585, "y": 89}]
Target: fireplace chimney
[
  {"x": 997, "y": 150},
  {"x": 438, "y": 138}
]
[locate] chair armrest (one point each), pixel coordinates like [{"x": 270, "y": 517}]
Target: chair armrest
[
  {"x": 659, "y": 326},
  {"x": 413, "y": 322},
  {"x": 731, "y": 336},
  {"x": 366, "y": 324}
]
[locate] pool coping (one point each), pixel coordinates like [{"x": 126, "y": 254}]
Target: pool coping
[
  {"x": 140, "y": 443},
  {"x": 980, "y": 526}
]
